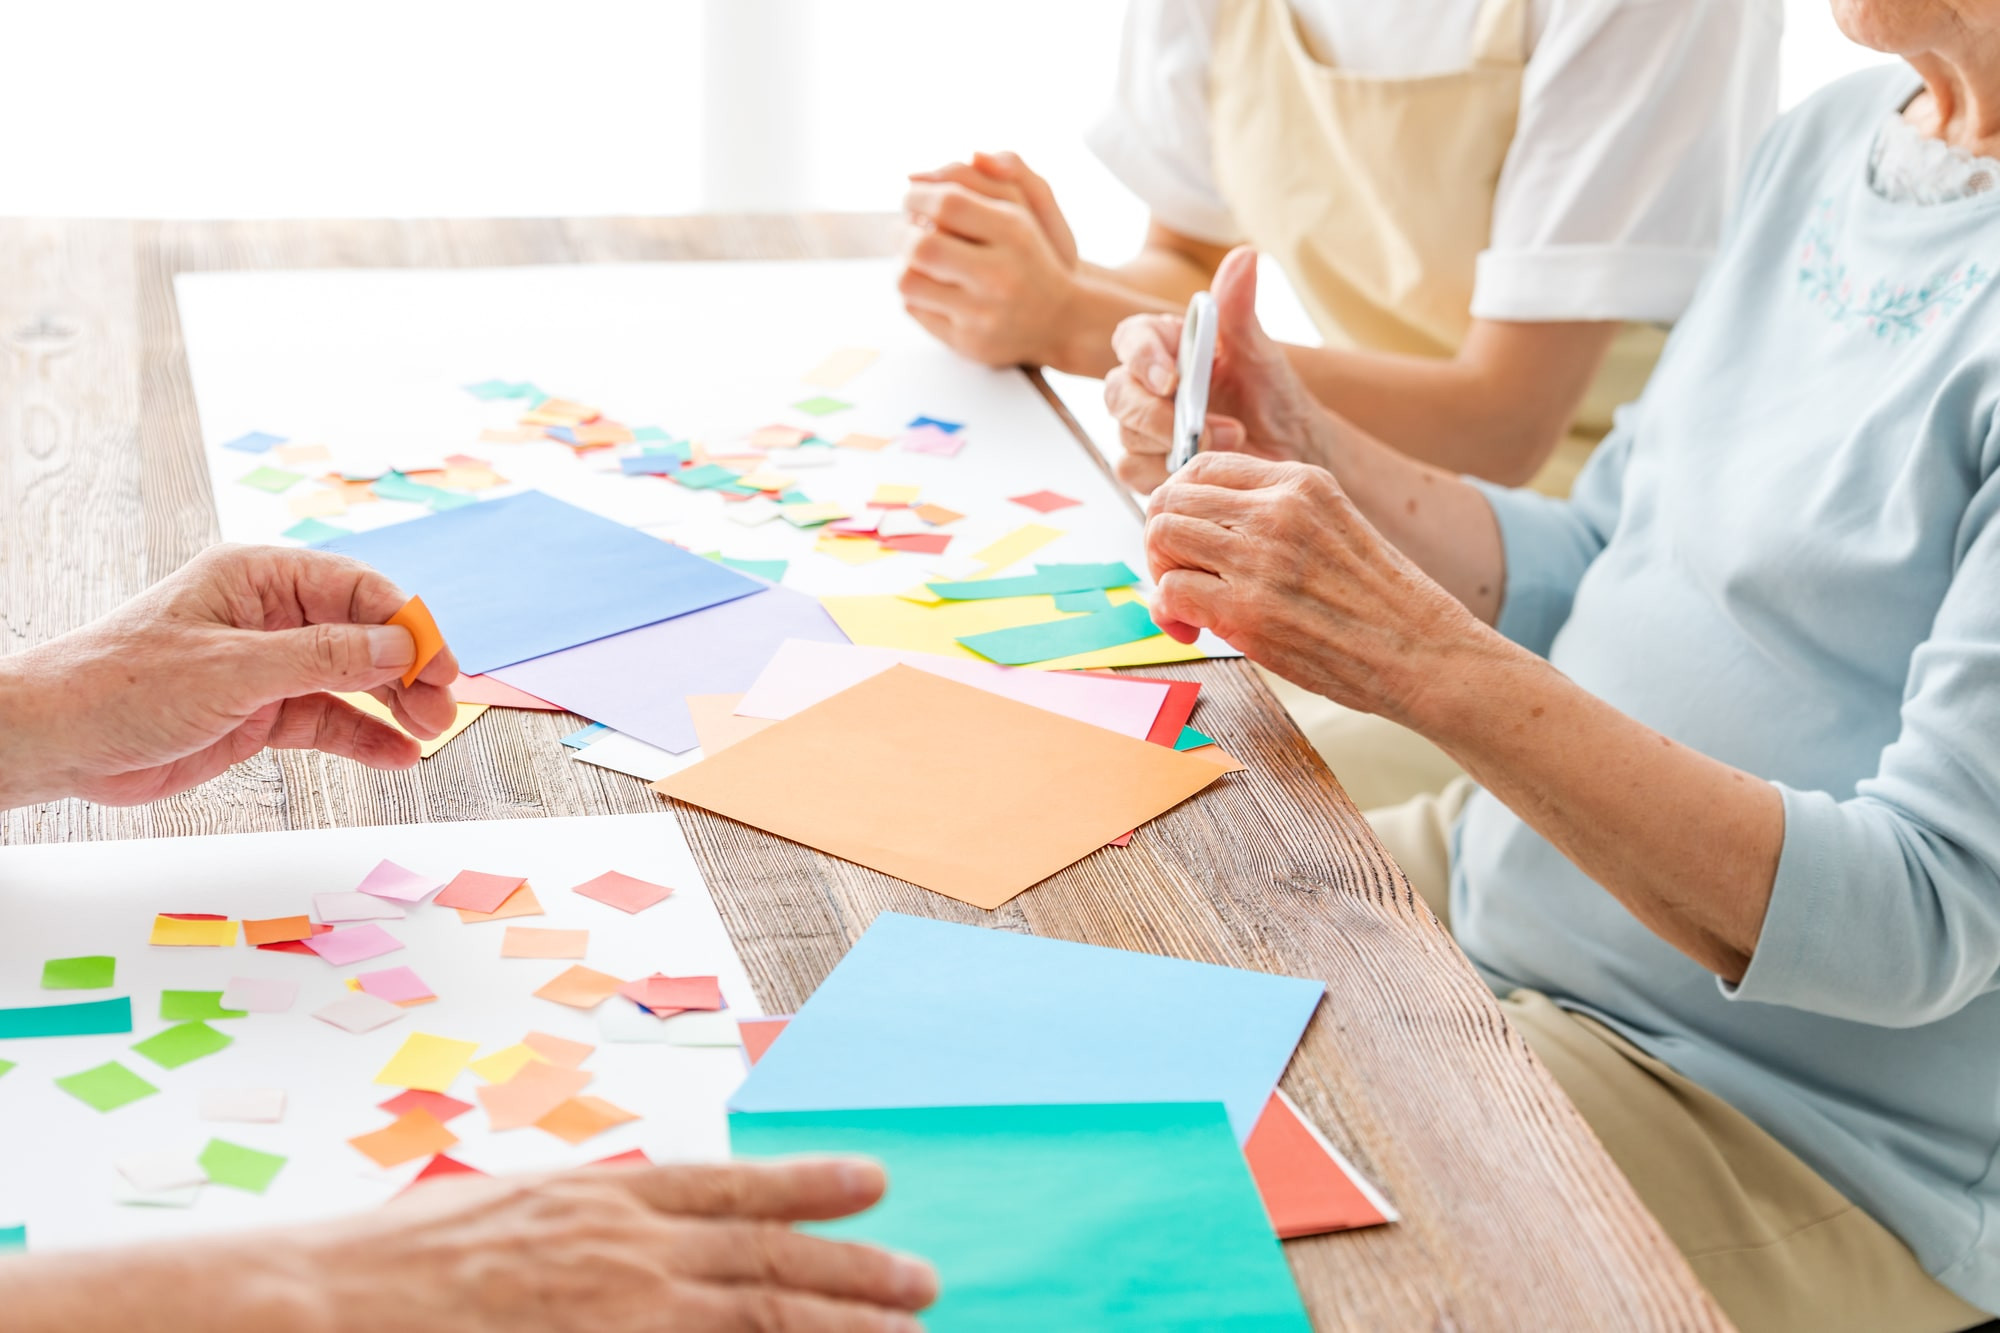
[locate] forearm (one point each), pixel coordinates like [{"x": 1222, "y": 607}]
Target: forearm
[
  {"x": 30, "y": 771},
  {"x": 1689, "y": 845},
  {"x": 1158, "y": 280},
  {"x": 157, "y": 1289}
]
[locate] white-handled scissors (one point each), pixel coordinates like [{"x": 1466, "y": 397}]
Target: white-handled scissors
[{"x": 1197, "y": 362}]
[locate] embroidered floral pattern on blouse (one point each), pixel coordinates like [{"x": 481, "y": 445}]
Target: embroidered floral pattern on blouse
[{"x": 1890, "y": 310}]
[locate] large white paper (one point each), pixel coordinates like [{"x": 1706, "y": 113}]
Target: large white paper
[
  {"x": 58, "y": 1156},
  {"x": 373, "y": 364}
]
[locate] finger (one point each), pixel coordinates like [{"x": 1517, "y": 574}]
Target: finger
[
  {"x": 1175, "y": 541},
  {"x": 1142, "y": 472},
  {"x": 329, "y": 588},
  {"x": 767, "y": 1310},
  {"x": 1236, "y": 471},
  {"x": 1147, "y": 418},
  {"x": 1035, "y": 191},
  {"x": 1235, "y": 292},
  {"x": 947, "y": 258},
  {"x": 1149, "y": 346},
  {"x": 1188, "y": 601},
  {"x": 286, "y": 663},
  {"x": 1223, "y": 434},
  {"x": 802, "y": 1190},
  {"x": 963, "y": 212},
  {"x": 423, "y": 709},
  {"x": 971, "y": 176},
  {"x": 1209, "y": 504},
  {"x": 927, "y": 293},
  {"x": 773, "y": 1255},
  {"x": 322, "y": 722},
  {"x": 938, "y": 326}
]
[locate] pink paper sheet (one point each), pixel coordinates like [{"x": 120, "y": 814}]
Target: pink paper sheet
[
  {"x": 801, "y": 673},
  {"x": 391, "y": 881}
]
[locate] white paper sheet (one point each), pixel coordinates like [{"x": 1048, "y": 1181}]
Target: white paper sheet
[
  {"x": 57, "y": 1171},
  {"x": 373, "y": 364}
]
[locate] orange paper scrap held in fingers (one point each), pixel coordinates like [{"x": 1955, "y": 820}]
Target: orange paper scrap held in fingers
[
  {"x": 1012, "y": 795},
  {"x": 416, "y": 618}
]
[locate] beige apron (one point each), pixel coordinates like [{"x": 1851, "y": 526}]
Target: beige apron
[{"x": 1376, "y": 194}]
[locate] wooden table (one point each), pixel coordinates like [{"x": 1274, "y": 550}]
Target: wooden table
[{"x": 1514, "y": 1218}]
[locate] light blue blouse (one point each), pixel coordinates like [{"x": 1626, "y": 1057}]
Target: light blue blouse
[{"x": 1787, "y": 556}]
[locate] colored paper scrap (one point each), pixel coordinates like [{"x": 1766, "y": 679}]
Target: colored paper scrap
[
  {"x": 498, "y": 694},
  {"x": 918, "y": 543},
  {"x": 1112, "y": 1217},
  {"x": 937, "y": 515},
  {"x": 812, "y": 514},
  {"x": 716, "y": 725},
  {"x": 177, "y": 932},
  {"x": 411, "y": 1135},
  {"x": 580, "y": 988},
  {"x": 90, "y": 972},
  {"x": 1016, "y": 546},
  {"x": 583, "y": 1118},
  {"x": 256, "y": 442},
  {"x": 340, "y": 908},
  {"x": 779, "y": 437},
  {"x": 1045, "y": 579},
  {"x": 752, "y": 513},
  {"x": 660, "y": 992},
  {"x": 586, "y": 735},
  {"x": 182, "y": 1044},
  {"x": 415, "y": 617},
  {"x": 239, "y": 1167},
  {"x": 294, "y": 946},
  {"x": 801, "y": 674},
  {"x": 821, "y": 405},
  {"x": 428, "y": 1062},
  {"x": 1043, "y": 502},
  {"x": 936, "y": 423},
  {"x": 468, "y": 713},
  {"x": 931, "y": 440},
  {"x": 558, "y": 1050},
  {"x": 1089, "y": 600},
  {"x": 623, "y": 892},
  {"x": 397, "y": 883},
  {"x": 1190, "y": 739},
  {"x": 641, "y": 465},
  {"x": 264, "y": 1106},
  {"x": 180, "y": 1006},
  {"x": 13, "y": 1239},
  {"x": 90, "y": 1018},
  {"x": 441, "y": 1108},
  {"x": 359, "y": 1012},
  {"x": 772, "y": 571},
  {"x": 585, "y": 576},
  {"x": 1307, "y": 1186},
  {"x": 397, "y": 985},
  {"x": 840, "y": 367},
  {"x": 318, "y": 504},
  {"x": 1174, "y": 713},
  {"x": 638, "y": 682},
  {"x": 255, "y": 995},
  {"x": 6, "y": 1065},
  {"x": 705, "y": 477},
  {"x": 153, "y": 1172},
  {"x": 478, "y": 891},
  {"x": 107, "y": 1087},
  {"x": 1065, "y": 638},
  {"x": 521, "y": 902},
  {"x": 536, "y": 942},
  {"x": 354, "y": 944},
  {"x": 506, "y": 1062},
  {"x": 310, "y": 530},
  {"x": 538, "y": 1089},
  {"x": 277, "y": 930},
  {"x": 439, "y": 1167},
  {"x": 851, "y": 550},
  {"x": 927, "y": 1013},
  {"x": 866, "y": 443},
  {"x": 491, "y": 389},
  {"x": 1018, "y": 793},
  {"x": 759, "y": 1033}
]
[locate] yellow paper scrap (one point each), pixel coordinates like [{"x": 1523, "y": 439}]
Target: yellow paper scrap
[
  {"x": 1016, "y": 546},
  {"x": 472, "y": 477},
  {"x": 427, "y": 1062},
  {"x": 176, "y": 933},
  {"x": 887, "y": 494},
  {"x": 851, "y": 550},
  {"x": 894, "y": 622},
  {"x": 293, "y": 454},
  {"x": 871, "y": 443},
  {"x": 841, "y": 367},
  {"x": 807, "y": 515},
  {"x": 503, "y": 1064},
  {"x": 767, "y": 481},
  {"x": 318, "y": 504},
  {"x": 374, "y": 707}
]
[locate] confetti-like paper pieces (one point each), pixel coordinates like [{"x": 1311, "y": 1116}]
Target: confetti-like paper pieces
[{"x": 623, "y": 892}]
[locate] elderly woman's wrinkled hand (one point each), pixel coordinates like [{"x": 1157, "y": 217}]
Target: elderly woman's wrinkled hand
[
  {"x": 1257, "y": 403},
  {"x": 1275, "y": 559}
]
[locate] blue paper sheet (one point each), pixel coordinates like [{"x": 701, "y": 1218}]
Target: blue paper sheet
[
  {"x": 256, "y": 442},
  {"x": 526, "y": 576},
  {"x": 926, "y": 1013}
]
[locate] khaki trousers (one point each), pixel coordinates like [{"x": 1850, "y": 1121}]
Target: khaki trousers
[{"x": 1781, "y": 1249}]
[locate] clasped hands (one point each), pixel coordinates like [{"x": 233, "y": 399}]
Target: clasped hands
[{"x": 1256, "y": 539}]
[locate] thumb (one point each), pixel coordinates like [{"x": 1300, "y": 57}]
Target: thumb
[
  {"x": 284, "y": 664},
  {"x": 1235, "y": 292}
]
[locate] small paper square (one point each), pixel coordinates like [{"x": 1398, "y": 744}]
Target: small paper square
[
  {"x": 359, "y": 1012},
  {"x": 623, "y": 892}
]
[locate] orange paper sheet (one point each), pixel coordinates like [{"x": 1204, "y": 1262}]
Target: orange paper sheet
[
  {"x": 558, "y": 1050},
  {"x": 582, "y": 1118},
  {"x": 277, "y": 929},
  {"x": 949, "y": 787},
  {"x": 534, "y": 942},
  {"x": 581, "y": 988},
  {"x": 415, "y": 617},
  {"x": 531, "y": 1094},
  {"x": 716, "y": 725},
  {"x": 414, "y": 1134}
]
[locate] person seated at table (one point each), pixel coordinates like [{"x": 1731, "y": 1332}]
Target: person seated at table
[
  {"x": 1733, "y": 857},
  {"x": 239, "y": 650},
  {"x": 1476, "y": 200}
]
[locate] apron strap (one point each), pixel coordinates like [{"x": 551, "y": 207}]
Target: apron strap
[{"x": 1500, "y": 36}]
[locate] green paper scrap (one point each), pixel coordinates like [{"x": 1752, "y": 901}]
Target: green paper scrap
[
  {"x": 1190, "y": 739},
  {"x": 178, "y": 1006},
  {"x": 6, "y": 1065},
  {"x": 444, "y": 500},
  {"x": 396, "y": 486},
  {"x": 1023, "y": 644},
  {"x": 92, "y": 972},
  {"x": 815, "y": 442},
  {"x": 314, "y": 530},
  {"x": 1126, "y": 1217},
  {"x": 491, "y": 389},
  {"x": 68, "y": 1020},
  {"x": 820, "y": 405},
  {"x": 1090, "y": 599},
  {"x": 239, "y": 1167},
  {"x": 1046, "y": 579},
  {"x": 706, "y": 477},
  {"x": 651, "y": 435},
  {"x": 773, "y": 570},
  {"x": 181, "y": 1044},
  {"x": 272, "y": 479},
  {"x": 13, "y": 1239},
  {"x": 738, "y": 488},
  {"x": 794, "y": 496},
  {"x": 107, "y": 1087}
]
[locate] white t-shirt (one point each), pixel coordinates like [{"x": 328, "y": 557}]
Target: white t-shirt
[{"x": 1637, "y": 118}]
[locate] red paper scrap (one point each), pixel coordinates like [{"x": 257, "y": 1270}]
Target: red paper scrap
[
  {"x": 441, "y": 1107},
  {"x": 630, "y": 1157},
  {"x": 919, "y": 543},
  {"x": 296, "y": 946},
  {"x": 660, "y": 992},
  {"x": 477, "y": 891},
  {"x": 624, "y": 892},
  {"x": 1044, "y": 502},
  {"x": 439, "y": 1167},
  {"x": 486, "y": 690},
  {"x": 194, "y": 916},
  {"x": 759, "y": 1033},
  {"x": 1307, "y": 1187}
]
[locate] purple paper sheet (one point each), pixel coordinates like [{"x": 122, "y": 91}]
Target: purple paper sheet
[{"x": 638, "y": 682}]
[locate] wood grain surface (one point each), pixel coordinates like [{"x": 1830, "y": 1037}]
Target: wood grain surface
[{"x": 1514, "y": 1218}]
